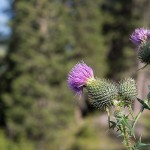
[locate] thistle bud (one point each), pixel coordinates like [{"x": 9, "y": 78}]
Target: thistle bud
[
  {"x": 118, "y": 113},
  {"x": 101, "y": 93},
  {"x": 144, "y": 52},
  {"x": 127, "y": 91}
]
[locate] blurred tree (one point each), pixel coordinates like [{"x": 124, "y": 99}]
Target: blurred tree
[
  {"x": 48, "y": 38},
  {"x": 88, "y": 42},
  {"x": 119, "y": 22},
  {"x": 34, "y": 98}
]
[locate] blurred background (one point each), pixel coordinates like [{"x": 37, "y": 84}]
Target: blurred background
[{"x": 40, "y": 41}]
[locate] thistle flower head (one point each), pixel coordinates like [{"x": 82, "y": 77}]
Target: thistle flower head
[
  {"x": 140, "y": 35},
  {"x": 79, "y": 76},
  {"x": 101, "y": 93}
]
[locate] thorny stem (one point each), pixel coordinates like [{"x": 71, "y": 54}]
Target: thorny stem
[
  {"x": 131, "y": 112},
  {"x": 126, "y": 138},
  {"x": 124, "y": 132}
]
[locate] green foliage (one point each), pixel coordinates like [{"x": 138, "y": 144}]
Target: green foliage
[
  {"x": 88, "y": 42},
  {"x": 33, "y": 90},
  {"x": 7, "y": 144},
  {"x": 47, "y": 39},
  {"x": 139, "y": 145},
  {"x": 47, "y": 36},
  {"x": 123, "y": 124},
  {"x": 119, "y": 21},
  {"x": 93, "y": 135}
]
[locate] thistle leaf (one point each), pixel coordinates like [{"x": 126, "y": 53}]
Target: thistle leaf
[
  {"x": 140, "y": 145},
  {"x": 113, "y": 125},
  {"x": 144, "y": 103}
]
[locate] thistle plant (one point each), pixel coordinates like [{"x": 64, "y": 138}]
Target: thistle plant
[
  {"x": 141, "y": 38},
  {"x": 105, "y": 95},
  {"x": 101, "y": 92}
]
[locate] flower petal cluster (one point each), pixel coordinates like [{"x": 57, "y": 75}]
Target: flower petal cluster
[
  {"x": 140, "y": 35},
  {"x": 78, "y": 77}
]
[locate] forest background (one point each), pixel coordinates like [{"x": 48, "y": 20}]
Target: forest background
[{"x": 39, "y": 44}]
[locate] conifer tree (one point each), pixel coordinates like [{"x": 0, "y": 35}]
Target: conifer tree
[
  {"x": 120, "y": 20},
  {"x": 88, "y": 41},
  {"x": 33, "y": 89}
]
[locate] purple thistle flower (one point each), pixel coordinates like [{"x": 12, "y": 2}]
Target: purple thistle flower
[
  {"x": 78, "y": 77},
  {"x": 140, "y": 35}
]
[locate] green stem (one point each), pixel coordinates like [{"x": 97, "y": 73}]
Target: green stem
[
  {"x": 108, "y": 113},
  {"x": 126, "y": 138},
  {"x": 137, "y": 117},
  {"x": 131, "y": 112}
]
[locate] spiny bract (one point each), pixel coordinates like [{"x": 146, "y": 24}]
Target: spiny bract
[
  {"x": 144, "y": 52},
  {"x": 101, "y": 93}
]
